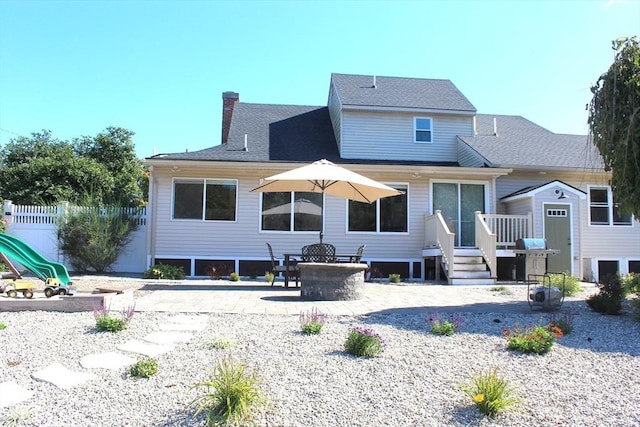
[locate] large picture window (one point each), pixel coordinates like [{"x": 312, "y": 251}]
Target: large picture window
[
  {"x": 602, "y": 209},
  {"x": 205, "y": 199},
  {"x": 387, "y": 215},
  {"x": 297, "y": 211}
]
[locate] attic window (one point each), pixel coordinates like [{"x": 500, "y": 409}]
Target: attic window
[{"x": 423, "y": 129}]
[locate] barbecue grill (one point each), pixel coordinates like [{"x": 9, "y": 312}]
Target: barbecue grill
[
  {"x": 531, "y": 258},
  {"x": 531, "y": 267}
]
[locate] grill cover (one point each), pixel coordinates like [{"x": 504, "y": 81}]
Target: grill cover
[{"x": 531, "y": 244}]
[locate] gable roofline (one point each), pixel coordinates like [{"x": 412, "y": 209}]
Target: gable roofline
[
  {"x": 407, "y": 109},
  {"x": 528, "y": 192}
]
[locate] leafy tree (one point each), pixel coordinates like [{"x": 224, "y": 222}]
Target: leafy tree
[
  {"x": 43, "y": 170},
  {"x": 114, "y": 149},
  {"x": 614, "y": 121}
]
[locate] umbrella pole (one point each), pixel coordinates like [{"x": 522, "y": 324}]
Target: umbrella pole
[{"x": 322, "y": 217}]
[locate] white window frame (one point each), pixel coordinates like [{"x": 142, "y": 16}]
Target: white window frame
[
  {"x": 610, "y": 205},
  {"x": 204, "y": 198},
  {"x": 416, "y": 129},
  {"x": 405, "y": 185},
  {"x": 291, "y": 226}
]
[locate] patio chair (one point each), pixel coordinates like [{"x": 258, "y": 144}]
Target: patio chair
[
  {"x": 319, "y": 252},
  {"x": 276, "y": 268},
  {"x": 356, "y": 259}
]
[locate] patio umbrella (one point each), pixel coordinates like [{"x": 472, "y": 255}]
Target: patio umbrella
[{"x": 326, "y": 177}]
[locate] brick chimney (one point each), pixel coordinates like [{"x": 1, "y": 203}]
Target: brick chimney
[{"x": 229, "y": 100}]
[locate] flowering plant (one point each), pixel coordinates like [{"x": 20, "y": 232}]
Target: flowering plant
[
  {"x": 531, "y": 339},
  {"x": 364, "y": 342},
  {"x": 312, "y": 321},
  {"x": 564, "y": 323},
  {"x": 444, "y": 327}
]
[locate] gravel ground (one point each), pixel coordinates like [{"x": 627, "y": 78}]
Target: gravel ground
[{"x": 590, "y": 378}]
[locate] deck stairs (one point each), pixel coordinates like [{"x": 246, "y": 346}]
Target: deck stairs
[{"x": 469, "y": 268}]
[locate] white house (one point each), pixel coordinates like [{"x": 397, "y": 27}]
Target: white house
[{"x": 473, "y": 184}]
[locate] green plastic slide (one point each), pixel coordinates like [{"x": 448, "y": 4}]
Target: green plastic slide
[{"x": 32, "y": 260}]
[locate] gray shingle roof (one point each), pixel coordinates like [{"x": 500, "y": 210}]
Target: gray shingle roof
[
  {"x": 274, "y": 133},
  {"x": 522, "y": 143},
  {"x": 399, "y": 92}
]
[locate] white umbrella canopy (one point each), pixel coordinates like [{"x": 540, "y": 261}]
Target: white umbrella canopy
[{"x": 326, "y": 177}]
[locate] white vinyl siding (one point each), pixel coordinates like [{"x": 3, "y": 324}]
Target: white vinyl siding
[
  {"x": 390, "y": 136},
  {"x": 244, "y": 240},
  {"x": 467, "y": 157}
]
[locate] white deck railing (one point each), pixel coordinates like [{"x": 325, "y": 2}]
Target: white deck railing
[
  {"x": 486, "y": 243},
  {"x": 509, "y": 228},
  {"x": 437, "y": 234}
]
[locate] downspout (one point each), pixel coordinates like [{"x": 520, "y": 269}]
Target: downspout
[{"x": 151, "y": 220}]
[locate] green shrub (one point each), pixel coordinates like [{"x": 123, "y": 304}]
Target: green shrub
[
  {"x": 230, "y": 395},
  {"x": 312, "y": 321},
  {"x": 490, "y": 393},
  {"x": 234, "y": 277},
  {"x": 571, "y": 283},
  {"x": 164, "y": 271},
  {"x": 631, "y": 284},
  {"x": 107, "y": 323},
  {"x": 92, "y": 239},
  {"x": 268, "y": 277},
  {"x": 364, "y": 342},
  {"x": 503, "y": 290},
  {"x": 531, "y": 339},
  {"x": 219, "y": 343},
  {"x": 446, "y": 327},
  {"x": 394, "y": 278},
  {"x": 145, "y": 368},
  {"x": 609, "y": 299},
  {"x": 2, "y": 326}
]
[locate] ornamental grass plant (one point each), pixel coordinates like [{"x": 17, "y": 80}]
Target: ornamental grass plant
[
  {"x": 364, "y": 342},
  {"x": 490, "y": 393},
  {"x": 230, "y": 396}
]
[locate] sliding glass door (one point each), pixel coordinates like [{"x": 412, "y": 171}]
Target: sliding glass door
[{"x": 458, "y": 203}]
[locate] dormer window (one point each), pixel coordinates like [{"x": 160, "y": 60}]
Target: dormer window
[{"x": 423, "y": 129}]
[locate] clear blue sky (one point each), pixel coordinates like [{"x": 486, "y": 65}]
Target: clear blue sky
[{"x": 159, "y": 68}]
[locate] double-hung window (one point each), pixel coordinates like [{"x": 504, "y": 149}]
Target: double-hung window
[
  {"x": 423, "y": 129},
  {"x": 205, "y": 199},
  {"x": 387, "y": 215},
  {"x": 602, "y": 209},
  {"x": 295, "y": 211}
]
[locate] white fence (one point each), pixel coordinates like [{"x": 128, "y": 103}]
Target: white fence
[{"x": 36, "y": 226}]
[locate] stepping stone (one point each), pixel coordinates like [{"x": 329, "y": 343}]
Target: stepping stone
[
  {"x": 149, "y": 350},
  {"x": 110, "y": 360},
  {"x": 62, "y": 377},
  {"x": 11, "y": 394},
  {"x": 167, "y": 337}
]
